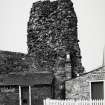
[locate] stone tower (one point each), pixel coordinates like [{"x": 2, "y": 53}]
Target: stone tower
[{"x": 52, "y": 35}]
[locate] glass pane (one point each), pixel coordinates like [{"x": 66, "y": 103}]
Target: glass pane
[{"x": 9, "y": 95}]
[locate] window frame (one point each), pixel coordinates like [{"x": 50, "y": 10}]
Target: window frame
[{"x": 103, "y": 87}]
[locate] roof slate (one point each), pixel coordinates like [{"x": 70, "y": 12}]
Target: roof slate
[{"x": 26, "y": 79}]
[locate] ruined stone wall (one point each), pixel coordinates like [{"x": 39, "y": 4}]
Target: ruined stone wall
[
  {"x": 10, "y": 62},
  {"x": 80, "y": 87},
  {"x": 52, "y": 31},
  {"x": 17, "y": 62}
]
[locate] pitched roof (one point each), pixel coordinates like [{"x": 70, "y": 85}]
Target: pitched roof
[
  {"x": 26, "y": 79},
  {"x": 90, "y": 72}
]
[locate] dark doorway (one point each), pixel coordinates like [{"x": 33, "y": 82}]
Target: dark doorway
[
  {"x": 25, "y": 95},
  {"x": 39, "y": 93},
  {"x": 97, "y": 90}
]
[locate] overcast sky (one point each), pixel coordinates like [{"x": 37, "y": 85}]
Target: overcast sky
[{"x": 14, "y": 15}]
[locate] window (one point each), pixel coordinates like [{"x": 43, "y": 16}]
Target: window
[
  {"x": 97, "y": 90},
  {"x": 9, "y": 95}
]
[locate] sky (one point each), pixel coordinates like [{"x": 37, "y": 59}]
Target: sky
[{"x": 14, "y": 15}]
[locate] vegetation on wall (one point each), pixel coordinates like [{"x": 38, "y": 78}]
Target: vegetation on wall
[
  {"x": 52, "y": 32},
  {"x": 13, "y": 62}
]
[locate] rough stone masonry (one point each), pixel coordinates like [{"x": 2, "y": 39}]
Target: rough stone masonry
[{"x": 52, "y": 33}]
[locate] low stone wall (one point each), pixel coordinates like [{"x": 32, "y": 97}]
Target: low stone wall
[{"x": 80, "y": 88}]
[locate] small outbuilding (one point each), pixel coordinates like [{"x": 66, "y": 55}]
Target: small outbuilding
[
  {"x": 90, "y": 85},
  {"x": 25, "y": 88}
]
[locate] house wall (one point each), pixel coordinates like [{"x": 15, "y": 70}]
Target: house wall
[
  {"x": 25, "y": 88},
  {"x": 80, "y": 87},
  {"x": 10, "y": 96}
]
